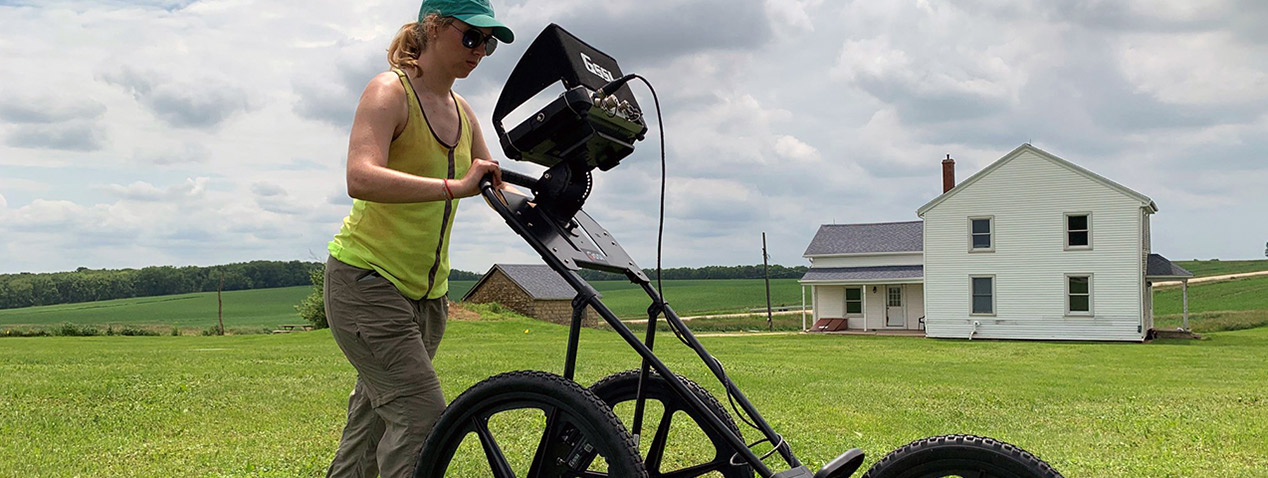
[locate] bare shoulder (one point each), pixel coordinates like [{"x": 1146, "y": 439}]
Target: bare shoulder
[
  {"x": 465, "y": 106},
  {"x": 386, "y": 85}
]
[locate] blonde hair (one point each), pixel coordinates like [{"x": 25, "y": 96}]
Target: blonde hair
[{"x": 411, "y": 40}]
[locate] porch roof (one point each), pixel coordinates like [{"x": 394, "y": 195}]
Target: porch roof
[
  {"x": 1159, "y": 267},
  {"x": 862, "y": 274}
]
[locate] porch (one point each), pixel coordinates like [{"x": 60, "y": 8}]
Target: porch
[{"x": 865, "y": 299}]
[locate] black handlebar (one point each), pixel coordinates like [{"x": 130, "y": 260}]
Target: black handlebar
[{"x": 518, "y": 179}]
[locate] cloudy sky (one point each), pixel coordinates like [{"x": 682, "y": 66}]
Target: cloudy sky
[{"x": 204, "y": 132}]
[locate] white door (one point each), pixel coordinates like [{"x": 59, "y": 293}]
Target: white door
[{"x": 894, "y": 314}]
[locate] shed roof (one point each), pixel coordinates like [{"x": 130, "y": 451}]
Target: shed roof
[
  {"x": 871, "y": 238},
  {"x": 816, "y": 274},
  {"x": 539, "y": 281},
  {"x": 1159, "y": 267}
]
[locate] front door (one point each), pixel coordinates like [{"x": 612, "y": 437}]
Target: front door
[{"x": 894, "y": 314}]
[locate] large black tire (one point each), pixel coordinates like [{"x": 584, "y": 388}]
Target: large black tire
[
  {"x": 578, "y": 428},
  {"x": 622, "y": 387},
  {"x": 961, "y": 456}
]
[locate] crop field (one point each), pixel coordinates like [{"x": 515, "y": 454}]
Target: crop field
[
  {"x": 1218, "y": 267},
  {"x": 267, "y": 308},
  {"x": 1225, "y": 305},
  {"x": 273, "y": 405},
  {"x": 243, "y": 308}
]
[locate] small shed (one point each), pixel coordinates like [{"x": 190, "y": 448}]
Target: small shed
[{"x": 530, "y": 289}]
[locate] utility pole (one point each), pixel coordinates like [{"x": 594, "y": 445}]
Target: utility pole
[
  {"x": 220, "y": 304},
  {"x": 770, "y": 323}
]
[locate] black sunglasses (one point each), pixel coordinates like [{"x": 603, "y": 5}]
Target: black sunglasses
[{"x": 473, "y": 38}]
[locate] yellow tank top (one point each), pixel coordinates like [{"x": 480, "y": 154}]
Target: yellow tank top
[{"x": 408, "y": 244}]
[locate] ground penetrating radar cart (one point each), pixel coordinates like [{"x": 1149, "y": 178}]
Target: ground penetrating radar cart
[{"x": 593, "y": 125}]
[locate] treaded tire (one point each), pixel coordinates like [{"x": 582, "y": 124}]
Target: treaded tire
[
  {"x": 582, "y": 422},
  {"x": 960, "y": 455},
  {"x": 622, "y": 387}
]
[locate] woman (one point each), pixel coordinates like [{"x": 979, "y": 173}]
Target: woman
[{"x": 415, "y": 148}]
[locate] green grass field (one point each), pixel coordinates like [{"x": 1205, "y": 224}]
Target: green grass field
[
  {"x": 245, "y": 308},
  {"x": 1224, "y": 305},
  {"x": 267, "y": 308},
  {"x": 1217, "y": 267},
  {"x": 687, "y": 297},
  {"x": 273, "y": 405}
]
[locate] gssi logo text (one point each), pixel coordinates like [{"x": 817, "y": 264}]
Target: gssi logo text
[{"x": 593, "y": 67}]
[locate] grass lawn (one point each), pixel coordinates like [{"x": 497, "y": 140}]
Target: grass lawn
[{"x": 273, "y": 405}]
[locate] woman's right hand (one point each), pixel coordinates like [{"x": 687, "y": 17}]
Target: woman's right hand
[{"x": 469, "y": 185}]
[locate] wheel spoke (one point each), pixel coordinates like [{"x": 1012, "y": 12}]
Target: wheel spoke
[
  {"x": 656, "y": 451},
  {"x": 497, "y": 461},
  {"x": 543, "y": 445}
]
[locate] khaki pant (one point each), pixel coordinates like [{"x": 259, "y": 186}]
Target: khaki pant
[{"x": 391, "y": 340}]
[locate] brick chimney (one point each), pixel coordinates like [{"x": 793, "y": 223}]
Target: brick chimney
[{"x": 948, "y": 174}]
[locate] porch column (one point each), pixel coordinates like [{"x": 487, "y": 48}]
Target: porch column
[
  {"x": 803, "y": 308},
  {"x": 1184, "y": 288}
]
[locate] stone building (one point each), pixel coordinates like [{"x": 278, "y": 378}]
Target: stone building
[{"x": 530, "y": 289}]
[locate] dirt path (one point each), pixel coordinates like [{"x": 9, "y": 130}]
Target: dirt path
[{"x": 1176, "y": 283}]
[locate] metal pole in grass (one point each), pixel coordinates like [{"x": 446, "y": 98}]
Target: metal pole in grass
[
  {"x": 770, "y": 324},
  {"x": 220, "y": 304}
]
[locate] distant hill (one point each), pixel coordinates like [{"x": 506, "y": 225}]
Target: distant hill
[{"x": 1216, "y": 267}]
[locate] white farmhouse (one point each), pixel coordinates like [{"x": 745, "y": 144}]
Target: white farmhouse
[
  {"x": 1031, "y": 247},
  {"x": 867, "y": 276}
]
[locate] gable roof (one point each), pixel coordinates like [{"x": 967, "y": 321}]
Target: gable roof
[
  {"x": 1158, "y": 267},
  {"x": 874, "y": 238},
  {"x": 1027, "y": 147},
  {"x": 539, "y": 281}
]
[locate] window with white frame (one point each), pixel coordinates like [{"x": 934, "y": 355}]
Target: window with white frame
[
  {"x": 981, "y": 230},
  {"x": 853, "y": 300},
  {"x": 1078, "y": 294},
  {"x": 1078, "y": 230},
  {"x": 982, "y": 289}
]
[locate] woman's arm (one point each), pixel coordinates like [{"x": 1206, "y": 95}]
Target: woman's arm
[{"x": 381, "y": 115}]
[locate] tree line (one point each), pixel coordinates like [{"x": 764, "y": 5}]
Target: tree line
[{"x": 86, "y": 285}]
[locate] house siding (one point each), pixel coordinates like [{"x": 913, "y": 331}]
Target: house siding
[{"x": 1028, "y": 198}]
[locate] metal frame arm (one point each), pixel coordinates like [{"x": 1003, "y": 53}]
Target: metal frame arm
[{"x": 581, "y": 242}]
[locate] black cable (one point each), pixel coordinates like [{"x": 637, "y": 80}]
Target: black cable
[
  {"x": 660, "y": 228},
  {"x": 660, "y": 235}
]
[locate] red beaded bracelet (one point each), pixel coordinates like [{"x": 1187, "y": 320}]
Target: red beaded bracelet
[{"x": 448, "y": 193}]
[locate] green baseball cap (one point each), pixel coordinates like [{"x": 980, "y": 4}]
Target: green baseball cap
[{"x": 477, "y": 13}]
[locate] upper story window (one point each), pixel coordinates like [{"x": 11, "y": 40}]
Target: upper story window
[
  {"x": 1078, "y": 230},
  {"x": 981, "y": 232}
]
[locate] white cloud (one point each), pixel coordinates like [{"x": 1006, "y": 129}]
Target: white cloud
[
  {"x": 793, "y": 149},
  {"x": 781, "y": 115},
  {"x": 1196, "y": 69},
  {"x": 143, "y": 191}
]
